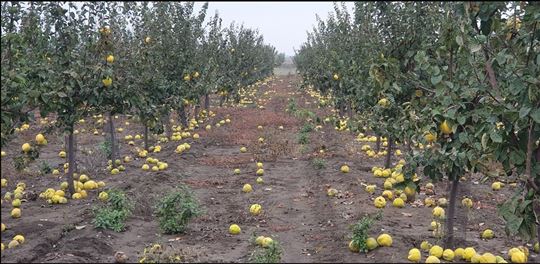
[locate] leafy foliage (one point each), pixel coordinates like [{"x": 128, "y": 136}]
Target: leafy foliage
[
  {"x": 114, "y": 213},
  {"x": 360, "y": 230},
  {"x": 292, "y": 106},
  {"x": 45, "y": 168},
  {"x": 318, "y": 163},
  {"x": 143, "y": 58},
  {"x": 271, "y": 254},
  {"x": 473, "y": 65},
  {"x": 303, "y": 138},
  {"x": 105, "y": 147},
  {"x": 176, "y": 209}
]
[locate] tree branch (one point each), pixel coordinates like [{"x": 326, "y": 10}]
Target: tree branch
[{"x": 531, "y": 44}]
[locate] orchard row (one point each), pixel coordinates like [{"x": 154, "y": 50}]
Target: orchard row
[
  {"x": 74, "y": 60},
  {"x": 460, "y": 78}
]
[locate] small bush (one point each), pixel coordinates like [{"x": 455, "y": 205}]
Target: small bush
[
  {"x": 106, "y": 147},
  {"x": 271, "y": 254},
  {"x": 305, "y": 114},
  {"x": 21, "y": 162},
  {"x": 303, "y": 138},
  {"x": 45, "y": 168},
  {"x": 67, "y": 228},
  {"x": 360, "y": 231},
  {"x": 176, "y": 209},
  {"x": 291, "y": 106},
  {"x": 114, "y": 213},
  {"x": 308, "y": 127},
  {"x": 319, "y": 163},
  {"x": 304, "y": 149}
]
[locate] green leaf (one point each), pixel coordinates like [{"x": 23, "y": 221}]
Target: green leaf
[
  {"x": 484, "y": 140},
  {"x": 461, "y": 120},
  {"x": 481, "y": 38},
  {"x": 495, "y": 137},
  {"x": 485, "y": 26},
  {"x": 475, "y": 47},
  {"x": 501, "y": 58},
  {"x": 517, "y": 87},
  {"x": 436, "y": 79},
  {"x": 513, "y": 223},
  {"x": 517, "y": 157},
  {"x": 536, "y": 115},
  {"x": 463, "y": 137},
  {"x": 459, "y": 40},
  {"x": 524, "y": 111},
  {"x": 524, "y": 205},
  {"x": 436, "y": 70},
  {"x": 34, "y": 94},
  {"x": 451, "y": 113}
]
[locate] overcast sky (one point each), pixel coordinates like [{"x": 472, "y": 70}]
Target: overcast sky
[{"x": 282, "y": 24}]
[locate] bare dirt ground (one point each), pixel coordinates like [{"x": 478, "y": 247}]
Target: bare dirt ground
[{"x": 309, "y": 225}]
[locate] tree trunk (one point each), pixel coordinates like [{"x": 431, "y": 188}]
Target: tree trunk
[
  {"x": 528, "y": 161},
  {"x": 196, "y": 112},
  {"x": 449, "y": 241},
  {"x": 206, "y": 102},
  {"x": 113, "y": 145},
  {"x": 349, "y": 110},
  {"x": 350, "y": 114},
  {"x": 536, "y": 208},
  {"x": 182, "y": 114},
  {"x": 71, "y": 162},
  {"x": 66, "y": 139},
  {"x": 75, "y": 149},
  {"x": 388, "y": 161},
  {"x": 221, "y": 100},
  {"x": 146, "y": 137},
  {"x": 341, "y": 109},
  {"x": 532, "y": 181},
  {"x": 378, "y": 144},
  {"x": 167, "y": 121},
  {"x": 409, "y": 148},
  {"x": 536, "y": 202}
]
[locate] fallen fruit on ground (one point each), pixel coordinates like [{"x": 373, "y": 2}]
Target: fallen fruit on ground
[
  {"x": 255, "y": 209},
  {"x": 468, "y": 253},
  {"x": 425, "y": 246},
  {"x": 16, "y": 213},
  {"x": 234, "y": 229},
  {"x": 259, "y": 240},
  {"x": 487, "y": 234},
  {"x": 267, "y": 241},
  {"x": 247, "y": 188},
  {"x": 433, "y": 259},
  {"x": 414, "y": 255},
  {"x": 353, "y": 247},
  {"x": 380, "y": 202},
  {"x": 13, "y": 244},
  {"x": 371, "y": 243},
  {"x": 384, "y": 240},
  {"x": 436, "y": 251},
  {"x": 448, "y": 254}
]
